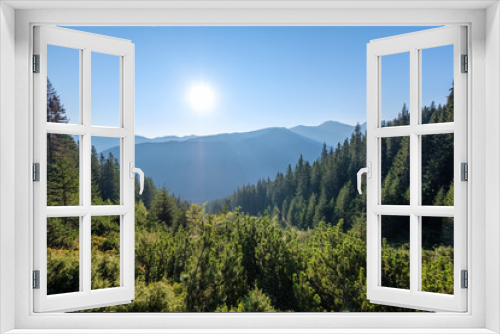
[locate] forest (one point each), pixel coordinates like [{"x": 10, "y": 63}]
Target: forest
[{"x": 296, "y": 243}]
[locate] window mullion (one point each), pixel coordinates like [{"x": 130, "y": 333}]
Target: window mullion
[
  {"x": 86, "y": 254},
  {"x": 85, "y": 149},
  {"x": 86, "y": 184},
  {"x": 415, "y": 249}
]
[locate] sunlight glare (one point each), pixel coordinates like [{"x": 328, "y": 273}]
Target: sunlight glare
[{"x": 201, "y": 97}]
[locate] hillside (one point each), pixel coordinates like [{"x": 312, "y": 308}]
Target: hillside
[
  {"x": 206, "y": 168},
  {"x": 197, "y": 168}
]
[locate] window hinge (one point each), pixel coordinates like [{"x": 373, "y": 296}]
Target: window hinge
[
  {"x": 464, "y": 172},
  {"x": 36, "y": 172},
  {"x": 465, "y": 64},
  {"x": 465, "y": 279},
  {"x": 36, "y": 63},
  {"x": 36, "y": 279}
]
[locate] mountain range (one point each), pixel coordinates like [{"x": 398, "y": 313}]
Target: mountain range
[
  {"x": 105, "y": 143},
  {"x": 205, "y": 168}
]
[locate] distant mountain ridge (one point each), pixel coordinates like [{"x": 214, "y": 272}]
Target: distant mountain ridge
[
  {"x": 105, "y": 143},
  {"x": 329, "y": 132},
  {"x": 205, "y": 168}
]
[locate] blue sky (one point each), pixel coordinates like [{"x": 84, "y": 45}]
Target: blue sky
[{"x": 261, "y": 76}]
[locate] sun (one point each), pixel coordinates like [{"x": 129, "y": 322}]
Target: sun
[{"x": 201, "y": 97}]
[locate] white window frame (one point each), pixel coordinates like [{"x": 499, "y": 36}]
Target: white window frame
[
  {"x": 413, "y": 44},
  {"x": 483, "y": 102},
  {"x": 86, "y": 44}
]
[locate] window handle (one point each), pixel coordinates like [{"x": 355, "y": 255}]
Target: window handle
[
  {"x": 139, "y": 171},
  {"x": 368, "y": 171}
]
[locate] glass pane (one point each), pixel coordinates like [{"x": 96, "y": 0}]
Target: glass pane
[
  {"x": 63, "y": 85},
  {"x": 437, "y": 254},
  {"x": 396, "y": 252},
  {"x": 63, "y": 170},
  {"x": 437, "y": 84},
  {"x": 105, "y": 90},
  {"x": 63, "y": 256},
  {"x": 437, "y": 169},
  {"x": 395, "y": 89},
  {"x": 395, "y": 171},
  {"x": 105, "y": 252},
  {"x": 105, "y": 171}
]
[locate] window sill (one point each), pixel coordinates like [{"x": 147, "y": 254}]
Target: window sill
[{"x": 250, "y": 331}]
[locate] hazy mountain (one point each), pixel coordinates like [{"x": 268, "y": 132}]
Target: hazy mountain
[
  {"x": 211, "y": 167},
  {"x": 204, "y": 168},
  {"x": 330, "y": 132},
  {"x": 105, "y": 143}
]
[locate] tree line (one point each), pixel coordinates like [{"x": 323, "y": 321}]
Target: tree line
[{"x": 325, "y": 190}]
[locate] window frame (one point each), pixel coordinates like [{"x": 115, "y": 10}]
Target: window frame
[
  {"x": 474, "y": 19},
  {"x": 86, "y": 44},
  {"x": 414, "y": 44}
]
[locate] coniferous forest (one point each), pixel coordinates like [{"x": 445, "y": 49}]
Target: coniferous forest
[{"x": 295, "y": 243}]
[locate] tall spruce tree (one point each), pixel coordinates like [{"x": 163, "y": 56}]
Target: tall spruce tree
[{"x": 62, "y": 157}]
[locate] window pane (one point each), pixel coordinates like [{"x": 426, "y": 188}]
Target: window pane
[
  {"x": 105, "y": 252},
  {"x": 396, "y": 252},
  {"x": 437, "y": 254},
  {"x": 395, "y": 170},
  {"x": 63, "y": 170},
  {"x": 63, "y": 85},
  {"x": 105, "y": 90},
  {"x": 105, "y": 170},
  {"x": 63, "y": 256},
  {"x": 437, "y": 169},
  {"x": 437, "y": 84},
  {"x": 395, "y": 89}
]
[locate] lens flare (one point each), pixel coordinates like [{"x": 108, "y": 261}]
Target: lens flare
[{"x": 201, "y": 97}]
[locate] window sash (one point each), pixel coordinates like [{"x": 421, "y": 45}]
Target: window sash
[
  {"x": 86, "y": 297},
  {"x": 413, "y": 43}
]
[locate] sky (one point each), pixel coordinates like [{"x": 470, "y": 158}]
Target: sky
[{"x": 260, "y": 77}]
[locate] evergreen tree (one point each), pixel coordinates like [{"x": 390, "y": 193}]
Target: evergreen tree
[
  {"x": 56, "y": 113},
  {"x": 163, "y": 210},
  {"x": 96, "y": 176},
  {"x": 62, "y": 157},
  {"x": 110, "y": 179}
]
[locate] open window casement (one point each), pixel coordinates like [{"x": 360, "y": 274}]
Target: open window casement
[
  {"x": 62, "y": 170},
  {"x": 414, "y": 213}
]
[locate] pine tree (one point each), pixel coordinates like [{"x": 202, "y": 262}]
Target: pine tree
[
  {"x": 62, "y": 157},
  {"x": 163, "y": 210},
  {"x": 396, "y": 174},
  {"x": 110, "y": 179},
  {"x": 96, "y": 176},
  {"x": 56, "y": 113}
]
